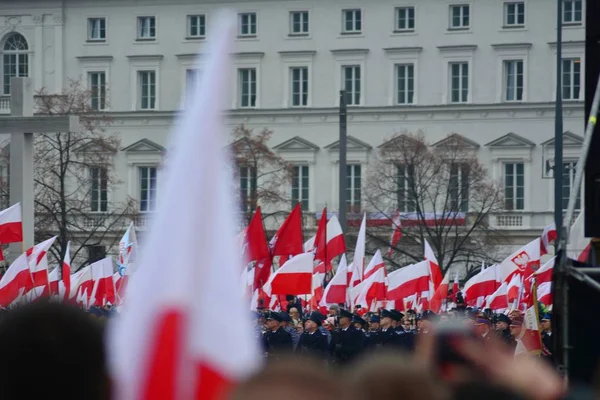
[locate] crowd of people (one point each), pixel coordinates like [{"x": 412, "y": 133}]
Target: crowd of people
[{"x": 341, "y": 336}]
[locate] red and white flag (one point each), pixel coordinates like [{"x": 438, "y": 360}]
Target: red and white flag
[
  {"x": 103, "y": 291},
  {"x": 498, "y": 301},
  {"x": 434, "y": 266},
  {"x": 374, "y": 290},
  {"x": 358, "y": 261},
  {"x": 335, "y": 292},
  {"x": 375, "y": 265},
  {"x": 549, "y": 235},
  {"x": 407, "y": 281},
  {"x": 293, "y": 277},
  {"x": 66, "y": 272},
  {"x": 11, "y": 226},
  {"x": 396, "y": 232},
  {"x": 480, "y": 286},
  {"x": 440, "y": 295},
  {"x": 161, "y": 347},
  {"x": 579, "y": 246},
  {"x": 525, "y": 261},
  {"x": 543, "y": 277}
]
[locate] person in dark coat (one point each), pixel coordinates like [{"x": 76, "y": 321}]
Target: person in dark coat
[
  {"x": 293, "y": 302},
  {"x": 387, "y": 333},
  {"x": 482, "y": 327},
  {"x": 313, "y": 342},
  {"x": 503, "y": 331},
  {"x": 547, "y": 337},
  {"x": 405, "y": 340},
  {"x": 347, "y": 342},
  {"x": 373, "y": 334},
  {"x": 277, "y": 341}
]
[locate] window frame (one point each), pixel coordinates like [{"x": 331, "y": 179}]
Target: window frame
[
  {"x": 573, "y": 21},
  {"x": 250, "y": 191},
  {"x": 461, "y": 80},
  {"x": 505, "y": 72},
  {"x": 19, "y": 56},
  {"x": 458, "y": 201},
  {"x": 140, "y": 89},
  {"x": 240, "y": 33},
  {"x": 90, "y": 30},
  {"x": 353, "y": 31},
  {"x": 300, "y": 188},
  {"x": 405, "y": 205},
  {"x": 303, "y": 95},
  {"x": 91, "y": 89},
  {"x": 351, "y": 95},
  {"x": 353, "y": 204},
  {"x": 100, "y": 189},
  {"x": 570, "y": 181},
  {"x": 515, "y": 186},
  {"x": 189, "y": 34},
  {"x": 462, "y": 26},
  {"x": 140, "y": 28},
  {"x": 505, "y": 13},
  {"x": 241, "y": 86},
  {"x": 149, "y": 189},
  {"x": 305, "y": 13},
  {"x": 397, "y": 27},
  {"x": 397, "y": 67},
  {"x": 572, "y": 62}
]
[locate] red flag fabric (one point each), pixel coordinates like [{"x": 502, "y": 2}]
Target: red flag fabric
[
  {"x": 321, "y": 238},
  {"x": 258, "y": 250},
  {"x": 441, "y": 294},
  {"x": 288, "y": 240},
  {"x": 436, "y": 273},
  {"x": 549, "y": 235}
]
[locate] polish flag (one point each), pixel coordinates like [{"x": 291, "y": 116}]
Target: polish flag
[
  {"x": 404, "y": 282},
  {"x": 66, "y": 271},
  {"x": 434, "y": 266},
  {"x": 52, "y": 288},
  {"x": 293, "y": 277},
  {"x": 309, "y": 245},
  {"x": 11, "y": 227},
  {"x": 103, "y": 291},
  {"x": 320, "y": 244},
  {"x": 38, "y": 264},
  {"x": 579, "y": 246},
  {"x": 525, "y": 261},
  {"x": 375, "y": 265},
  {"x": 359, "y": 254},
  {"x": 530, "y": 338},
  {"x": 549, "y": 235},
  {"x": 455, "y": 287},
  {"x": 288, "y": 239},
  {"x": 256, "y": 250},
  {"x": 480, "y": 286},
  {"x": 514, "y": 287},
  {"x": 81, "y": 281},
  {"x": 498, "y": 301},
  {"x": 336, "y": 245},
  {"x": 161, "y": 347},
  {"x": 396, "y": 233},
  {"x": 543, "y": 278},
  {"x": 374, "y": 290},
  {"x": 440, "y": 295},
  {"x": 335, "y": 292}
]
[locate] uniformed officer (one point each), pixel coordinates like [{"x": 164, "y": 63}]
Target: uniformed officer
[
  {"x": 387, "y": 334},
  {"x": 503, "y": 331},
  {"x": 313, "y": 342},
  {"x": 547, "y": 336},
  {"x": 373, "y": 333},
  {"x": 277, "y": 341},
  {"x": 347, "y": 342},
  {"x": 482, "y": 327},
  {"x": 405, "y": 340}
]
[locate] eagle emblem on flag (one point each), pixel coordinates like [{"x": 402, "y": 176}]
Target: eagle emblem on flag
[{"x": 521, "y": 260}]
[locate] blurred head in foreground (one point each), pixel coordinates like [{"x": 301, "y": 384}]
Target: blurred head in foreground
[
  {"x": 291, "y": 379},
  {"x": 51, "y": 351}
]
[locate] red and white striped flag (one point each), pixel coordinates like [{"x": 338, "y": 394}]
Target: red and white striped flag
[
  {"x": 161, "y": 347},
  {"x": 294, "y": 277},
  {"x": 11, "y": 226},
  {"x": 396, "y": 232},
  {"x": 549, "y": 235}
]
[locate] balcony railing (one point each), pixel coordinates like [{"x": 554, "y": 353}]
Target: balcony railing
[
  {"x": 512, "y": 220},
  {"x": 4, "y": 104}
]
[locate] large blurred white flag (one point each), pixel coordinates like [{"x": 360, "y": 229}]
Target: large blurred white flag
[{"x": 166, "y": 344}]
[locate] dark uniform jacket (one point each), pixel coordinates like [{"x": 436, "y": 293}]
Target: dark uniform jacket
[
  {"x": 346, "y": 344},
  {"x": 372, "y": 339},
  {"x": 278, "y": 343},
  {"x": 405, "y": 340},
  {"x": 387, "y": 338},
  {"x": 313, "y": 344}
]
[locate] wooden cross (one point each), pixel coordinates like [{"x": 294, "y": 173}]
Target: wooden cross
[{"x": 21, "y": 125}]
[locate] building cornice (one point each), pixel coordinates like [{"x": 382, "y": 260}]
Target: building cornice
[
  {"x": 145, "y": 56},
  {"x": 569, "y": 44},
  {"x": 459, "y": 47},
  {"x": 402, "y": 50},
  {"x": 95, "y": 58},
  {"x": 288, "y": 53},
  {"x": 502, "y": 46},
  {"x": 349, "y": 51}
]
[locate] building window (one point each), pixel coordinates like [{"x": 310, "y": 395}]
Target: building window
[
  {"x": 247, "y": 77},
  {"x": 460, "y": 17},
  {"x": 572, "y": 13},
  {"x": 405, "y": 83},
  {"x": 196, "y": 26},
  {"x": 299, "y": 23},
  {"x": 353, "y": 187},
  {"x": 571, "y": 78},
  {"x": 405, "y": 195},
  {"x": 148, "y": 189},
  {"x": 247, "y": 24},
  {"x": 514, "y": 186},
  {"x": 97, "y": 85},
  {"x": 248, "y": 186},
  {"x": 95, "y": 253},
  {"x": 459, "y": 187},
  {"x": 300, "y": 186},
  {"x": 146, "y": 27},
  {"x": 96, "y": 29},
  {"x": 514, "y": 14},
  {"x": 15, "y": 60},
  {"x": 513, "y": 80},
  {"x": 147, "y": 89},
  {"x": 459, "y": 82},
  {"x": 352, "y": 84},
  {"x": 192, "y": 77},
  {"x": 569, "y": 171},
  {"x": 99, "y": 189},
  {"x": 299, "y": 76},
  {"x": 352, "y": 21},
  {"x": 405, "y": 19}
]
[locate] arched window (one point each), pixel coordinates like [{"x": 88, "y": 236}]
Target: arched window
[{"x": 15, "y": 59}]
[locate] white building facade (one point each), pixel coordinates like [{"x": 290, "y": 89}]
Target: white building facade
[{"x": 482, "y": 69}]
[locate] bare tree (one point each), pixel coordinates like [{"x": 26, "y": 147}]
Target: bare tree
[
  {"x": 74, "y": 175},
  {"x": 444, "y": 195},
  {"x": 261, "y": 173}
]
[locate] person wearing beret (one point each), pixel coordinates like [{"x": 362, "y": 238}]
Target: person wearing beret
[
  {"x": 277, "y": 341},
  {"x": 347, "y": 342},
  {"x": 313, "y": 342},
  {"x": 547, "y": 336},
  {"x": 503, "y": 330}
]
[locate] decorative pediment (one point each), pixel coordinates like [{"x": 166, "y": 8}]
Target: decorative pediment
[
  {"x": 454, "y": 139},
  {"x": 398, "y": 142},
  {"x": 569, "y": 140},
  {"x": 296, "y": 144},
  {"x": 511, "y": 140},
  {"x": 144, "y": 146},
  {"x": 352, "y": 144}
]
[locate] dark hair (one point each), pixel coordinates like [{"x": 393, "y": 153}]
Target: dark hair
[{"x": 57, "y": 351}]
